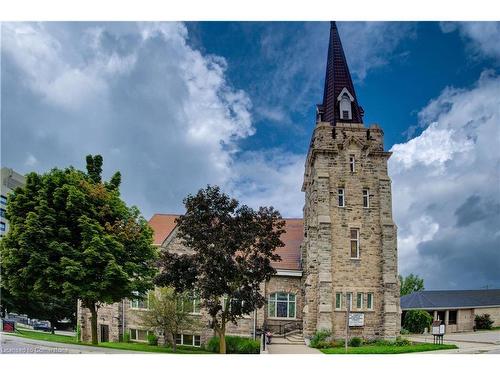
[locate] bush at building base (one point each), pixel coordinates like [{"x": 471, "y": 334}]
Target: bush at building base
[
  {"x": 416, "y": 321},
  {"x": 235, "y": 345},
  {"x": 483, "y": 321}
]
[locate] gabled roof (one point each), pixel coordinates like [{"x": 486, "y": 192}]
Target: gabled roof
[
  {"x": 164, "y": 224},
  {"x": 337, "y": 78},
  {"x": 436, "y": 299}
]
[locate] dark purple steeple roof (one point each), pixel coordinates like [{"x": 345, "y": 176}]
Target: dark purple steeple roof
[{"x": 337, "y": 77}]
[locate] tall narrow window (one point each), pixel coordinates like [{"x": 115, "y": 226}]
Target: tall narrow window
[
  {"x": 355, "y": 243},
  {"x": 338, "y": 300},
  {"x": 369, "y": 301},
  {"x": 349, "y": 300},
  {"x": 359, "y": 301},
  {"x": 366, "y": 198},
  {"x": 341, "y": 193},
  {"x": 352, "y": 162}
]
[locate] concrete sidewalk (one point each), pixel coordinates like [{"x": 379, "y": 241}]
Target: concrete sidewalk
[{"x": 278, "y": 348}]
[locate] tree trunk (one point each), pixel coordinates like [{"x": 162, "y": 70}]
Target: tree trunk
[
  {"x": 222, "y": 339},
  {"x": 93, "y": 323},
  {"x": 174, "y": 342}
]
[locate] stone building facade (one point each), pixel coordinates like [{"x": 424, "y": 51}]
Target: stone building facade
[{"x": 344, "y": 249}]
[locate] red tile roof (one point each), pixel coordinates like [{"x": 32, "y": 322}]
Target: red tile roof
[{"x": 164, "y": 224}]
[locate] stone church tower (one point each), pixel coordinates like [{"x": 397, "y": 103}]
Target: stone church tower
[{"x": 349, "y": 251}]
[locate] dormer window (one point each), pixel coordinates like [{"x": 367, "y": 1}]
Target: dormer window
[{"x": 345, "y": 100}]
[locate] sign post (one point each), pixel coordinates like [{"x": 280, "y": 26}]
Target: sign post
[{"x": 347, "y": 313}]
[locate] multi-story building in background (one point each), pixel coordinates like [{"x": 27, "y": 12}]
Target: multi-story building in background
[{"x": 9, "y": 181}]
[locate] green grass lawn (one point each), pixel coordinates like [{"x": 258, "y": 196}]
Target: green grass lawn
[
  {"x": 385, "y": 349},
  {"x": 140, "y": 347}
]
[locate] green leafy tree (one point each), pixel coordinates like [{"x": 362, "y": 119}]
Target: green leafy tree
[
  {"x": 233, "y": 247},
  {"x": 72, "y": 237},
  {"x": 409, "y": 284},
  {"x": 168, "y": 312},
  {"x": 416, "y": 321}
]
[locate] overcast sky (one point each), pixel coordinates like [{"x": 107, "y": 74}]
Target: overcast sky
[{"x": 176, "y": 106}]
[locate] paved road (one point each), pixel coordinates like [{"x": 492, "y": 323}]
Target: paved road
[
  {"x": 10, "y": 344},
  {"x": 468, "y": 343}
]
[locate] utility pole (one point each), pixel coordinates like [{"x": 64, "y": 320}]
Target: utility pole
[{"x": 347, "y": 311}]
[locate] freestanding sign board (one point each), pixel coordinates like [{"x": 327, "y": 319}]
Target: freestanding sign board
[
  {"x": 438, "y": 330},
  {"x": 356, "y": 320}
]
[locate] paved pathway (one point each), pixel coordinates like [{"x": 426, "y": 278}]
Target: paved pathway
[
  {"x": 281, "y": 346},
  {"x": 467, "y": 342},
  {"x": 10, "y": 344}
]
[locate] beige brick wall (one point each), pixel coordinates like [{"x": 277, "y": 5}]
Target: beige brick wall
[
  {"x": 328, "y": 267},
  {"x": 494, "y": 314}
]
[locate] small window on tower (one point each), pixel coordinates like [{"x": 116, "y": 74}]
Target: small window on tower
[
  {"x": 354, "y": 243},
  {"x": 345, "y": 115},
  {"x": 352, "y": 161},
  {"x": 366, "y": 198},
  {"x": 341, "y": 197},
  {"x": 359, "y": 301}
]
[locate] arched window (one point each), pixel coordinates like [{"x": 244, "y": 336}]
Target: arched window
[{"x": 282, "y": 305}]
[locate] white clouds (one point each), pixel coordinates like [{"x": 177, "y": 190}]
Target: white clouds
[
  {"x": 482, "y": 36},
  {"x": 446, "y": 185},
  {"x": 158, "y": 110},
  {"x": 273, "y": 178},
  {"x": 40, "y": 56}
]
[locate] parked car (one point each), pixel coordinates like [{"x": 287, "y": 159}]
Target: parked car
[{"x": 42, "y": 327}]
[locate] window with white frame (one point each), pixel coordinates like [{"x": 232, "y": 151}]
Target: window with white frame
[
  {"x": 141, "y": 302},
  {"x": 282, "y": 305},
  {"x": 338, "y": 300},
  {"x": 190, "y": 304},
  {"x": 138, "y": 334},
  {"x": 359, "y": 300},
  {"x": 355, "y": 243},
  {"x": 2, "y": 227},
  {"x": 188, "y": 340},
  {"x": 366, "y": 198},
  {"x": 341, "y": 195},
  {"x": 3, "y": 199},
  {"x": 2, "y": 212},
  {"x": 369, "y": 301},
  {"x": 352, "y": 162},
  {"x": 349, "y": 300}
]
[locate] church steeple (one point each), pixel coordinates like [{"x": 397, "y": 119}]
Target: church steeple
[{"x": 339, "y": 99}]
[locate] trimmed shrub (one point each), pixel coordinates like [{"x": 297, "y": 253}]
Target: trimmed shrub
[
  {"x": 404, "y": 331},
  {"x": 402, "y": 342},
  {"x": 320, "y": 336},
  {"x": 152, "y": 339},
  {"x": 355, "y": 342},
  {"x": 483, "y": 321},
  {"x": 126, "y": 337},
  {"x": 235, "y": 345},
  {"x": 416, "y": 321}
]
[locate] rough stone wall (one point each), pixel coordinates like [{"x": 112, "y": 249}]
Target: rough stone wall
[
  {"x": 109, "y": 315},
  {"x": 328, "y": 267}
]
